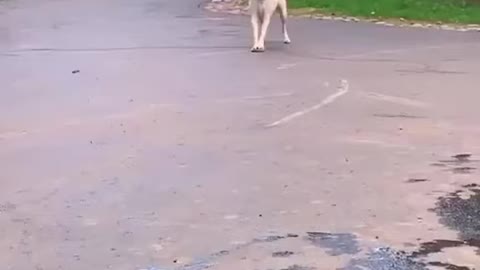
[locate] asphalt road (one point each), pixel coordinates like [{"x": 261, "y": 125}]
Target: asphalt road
[{"x": 144, "y": 135}]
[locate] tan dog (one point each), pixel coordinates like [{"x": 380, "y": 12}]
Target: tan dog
[{"x": 262, "y": 11}]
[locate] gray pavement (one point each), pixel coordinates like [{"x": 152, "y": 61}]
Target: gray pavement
[{"x": 144, "y": 135}]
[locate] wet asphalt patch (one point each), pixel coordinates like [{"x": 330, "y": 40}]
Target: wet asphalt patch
[
  {"x": 208, "y": 261},
  {"x": 462, "y": 214},
  {"x": 385, "y": 259},
  {"x": 335, "y": 243},
  {"x": 390, "y": 259},
  {"x": 459, "y": 211}
]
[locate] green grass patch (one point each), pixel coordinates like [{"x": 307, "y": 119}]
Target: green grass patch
[{"x": 446, "y": 11}]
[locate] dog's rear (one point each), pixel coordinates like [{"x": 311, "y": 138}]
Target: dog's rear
[{"x": 262, "y": 11}]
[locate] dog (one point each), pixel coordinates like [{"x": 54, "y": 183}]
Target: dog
[{"x": 261, "y": 14}]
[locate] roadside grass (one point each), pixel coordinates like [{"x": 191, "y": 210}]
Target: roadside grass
[{"x": 444, "y": 11}]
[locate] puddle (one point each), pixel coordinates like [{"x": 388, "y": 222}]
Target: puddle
[{"x": 335, "y": 243}]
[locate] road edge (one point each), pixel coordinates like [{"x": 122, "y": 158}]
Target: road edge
[{"x": 238, "y": 7}]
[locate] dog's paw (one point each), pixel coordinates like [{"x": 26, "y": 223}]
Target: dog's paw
[
  {"x": 257, "y": 49},
  {"x": 287, "y": 41}
]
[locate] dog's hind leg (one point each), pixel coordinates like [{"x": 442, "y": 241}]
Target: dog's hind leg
[
  {"x": 256, "y": 21},
  {"x": 283, "y": 17},
  {"x": 267, "y": 15}
]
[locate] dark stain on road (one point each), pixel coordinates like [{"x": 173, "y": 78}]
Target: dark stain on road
[
  {"x": 273, "y": 238},
  {"x": 7, "y": 207},
  {"x": 438, "y": 164},
  {"x": 298, "y": 267},
  {"x": 449, "y": 266},
  {"x": 427, "y": 69},
  {"x": 458, "y": 164},
  {"x": 435, "y": 246},
  {"x": 458, "y": 159},
  {"x": 404, "y": 116},
  {"x": 463, "y": 170},
  {"x": 282, "y": 254},
  {"x": 462, "y": 157},
  {"x": 416, "y": 180},
  {"x": 335, "y": 243}
]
